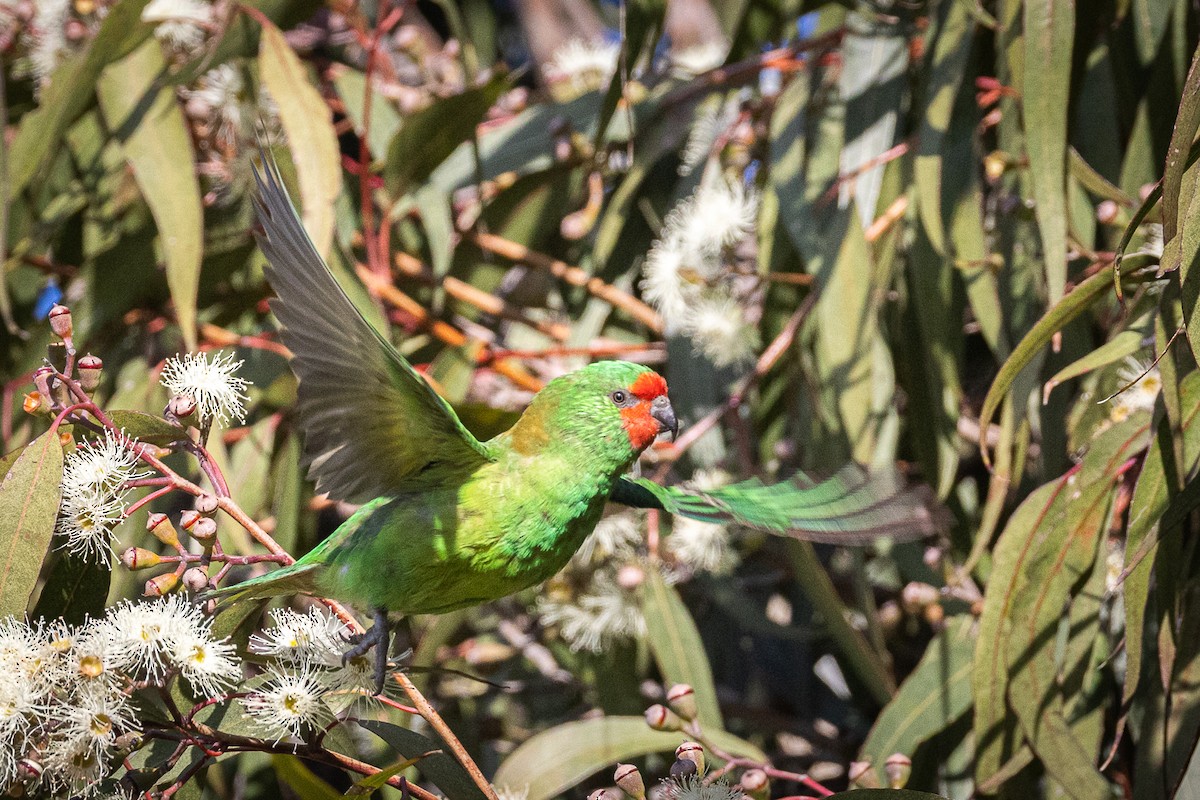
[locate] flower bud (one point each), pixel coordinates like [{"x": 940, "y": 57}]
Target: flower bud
[
  {"x": 207, "y": 504},
  {"x": 682, "y": 700},
  {"x": 661, "y": 718},
  {"x": 41, "y": 380},
  {"x": 34, "y": 402},
  {"x": 1107, "y": 211},
  {"x": 682, "y": 768},
  {"x": 195, "y": 579},
  {"x": 693, "y": 752},
  {"x": 90, "y": 369},
  {"x": 204, "y": 529},
  {"x": 160, "y": 585},
  {"x": 934, "y": 614},
  {"x": 897, "y": 768},
  {"x": 755, "y": 783},
  {"x": 629, "y": 780},
  {"x": 630, "y": 577},
  {"x": 188, "y": 518},
  {"x": 29, "y": 770},
  {"x": 916, "y": 596},
  {"x": 610, "y": 793},
  {"x": 60, "y": 321},
  {"x": 66, "y": 439},
  {"x": 135, "y": 558},
  {"x": 862, "y": 776},
  {"x": 160, "y": 526},
  {"x": 181, "y": 406},
  {"x": 126, "y": 743}
]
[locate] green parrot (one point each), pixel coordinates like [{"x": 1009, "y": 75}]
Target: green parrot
[{"x": 448, "y": 521}]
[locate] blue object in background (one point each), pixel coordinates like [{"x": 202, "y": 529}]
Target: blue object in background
[
  {"x": 47, "y": 298},
  {"x": 806, "y": 26}
]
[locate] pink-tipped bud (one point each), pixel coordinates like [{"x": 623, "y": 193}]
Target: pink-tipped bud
[
  {"x": 60, "y": 321},
  {"x": 181, "y": 406},
  {"x": 629, "y": 781},
  {"x": 207, "y": 504},
  {"x": 897, "y": 768},
  {"x": 754, "y": 782},
  {"x": 694, "y": 752},
  {"x": 161, "y": 528},
  {"x": 661, "y": 718},
  {"x": 609, "y": 793},
  {"x": 1106, "y": 212},
  {"x": 90, "y": 370},
  {"x": 29, "y": 771},
  {"x": 41, "y": 380},
  {"x": 160, "y": 585},
  {"x": 630, "y": 577},
  {"x": 682, "y": 700},
  {"x": 189, "y": 518},
  {"x": 195, "y": 579},
  {"x": 204, "y": 529},
  {"x": 916, "y": 596},
  {"x": 135, "y": 558}
]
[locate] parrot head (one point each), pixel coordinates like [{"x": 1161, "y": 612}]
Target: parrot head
[{"x": 609, "y": 410}]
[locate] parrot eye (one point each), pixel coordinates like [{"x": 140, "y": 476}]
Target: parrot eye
[{"x": 618, "y": 397}]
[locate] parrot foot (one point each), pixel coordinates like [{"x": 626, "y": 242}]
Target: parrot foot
[{"x": 379, "y": 637}]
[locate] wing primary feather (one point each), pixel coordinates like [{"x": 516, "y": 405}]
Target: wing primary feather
[{"x": 372, "y": 425}]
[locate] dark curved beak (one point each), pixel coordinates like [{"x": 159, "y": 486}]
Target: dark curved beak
[{"x": 662, "y": 412}]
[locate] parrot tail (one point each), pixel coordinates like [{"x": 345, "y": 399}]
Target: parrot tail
[{"x": 297, "y": 578}]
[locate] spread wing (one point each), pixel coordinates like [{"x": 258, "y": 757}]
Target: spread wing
[
  {"x": 372, "y": 425},
  {"x": 851, "y": 508}
]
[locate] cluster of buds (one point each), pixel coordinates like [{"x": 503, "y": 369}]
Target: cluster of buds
[
  {"x": 896, "y": 768},
  {"x": 191, "y": 568},
  {"x": 924, "y": 600},
  {"x": 681, "y": 710}
]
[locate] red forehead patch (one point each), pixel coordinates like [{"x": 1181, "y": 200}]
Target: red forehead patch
[{"x": 648, "y": 386}]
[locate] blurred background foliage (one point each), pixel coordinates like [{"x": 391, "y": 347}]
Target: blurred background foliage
[{"x": 969, "y": 222}]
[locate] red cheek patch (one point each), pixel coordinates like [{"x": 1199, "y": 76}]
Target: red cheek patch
[
  {"x": 641, "y": 428},
  {"x": 648, "y": 386}
]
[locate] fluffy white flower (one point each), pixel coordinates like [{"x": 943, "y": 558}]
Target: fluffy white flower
[
  {"x": 220, "y": 95},
  {"x": 719, "y": 330},
  {"x": 709, "y": 124},
  {"x": 218, "y": 392},
  {"x": 179, "y": 24},
  {"x": 209, "y": 665},
  {"x": 48, "y": 39},
  {"x": 717, "y": 214},
  {"x": 585, "y": 65},
  {"x": 1145, "y": 384},
  {"x": 73, "y": 768},
  {"x": 93, "y": 719},
  {"x": 291, "y": 704},
  {"x": 615, "y": 536},
  {"x": 701, "y": 545},
  {"x": 142, "y": 636},
  {"x": 605, "y": 613},
  {"x": 93, "y": 495},
  {"x": 663, "y": 281},
  {"x": 314, "y": 638}
]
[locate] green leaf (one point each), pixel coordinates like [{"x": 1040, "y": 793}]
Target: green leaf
[
  {"x": 308, "y": 123},
  {"x": 931, "y": 699},
  {"x": 8, "y": 459},
  {"x": 147, "y": 428},
  {"x": 72, "y": 92},
  {"x": 76, "y": 588},
  {"x": 1045, "y": 91},
  {"x": 1123, "y": 344},
  {"x": 446, "y": 773},
  {"x": 29, "y": 500},
  {"x": 372, "y": 782},
  {"x": 1080, "y": 299},
  {"x": 301, "y": 780},
  {"x": 1149, "y": 19},
  {"x": 677, "y": 647},
  {"x": 946, "y": 66},
  {"x": 429, "y": 136},
  {"x": 157, "y": 143},
  {"x": 555, "y": 760},
  {"x": 1152, "y": 496},
  {"x": 351, "y": 85}
]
